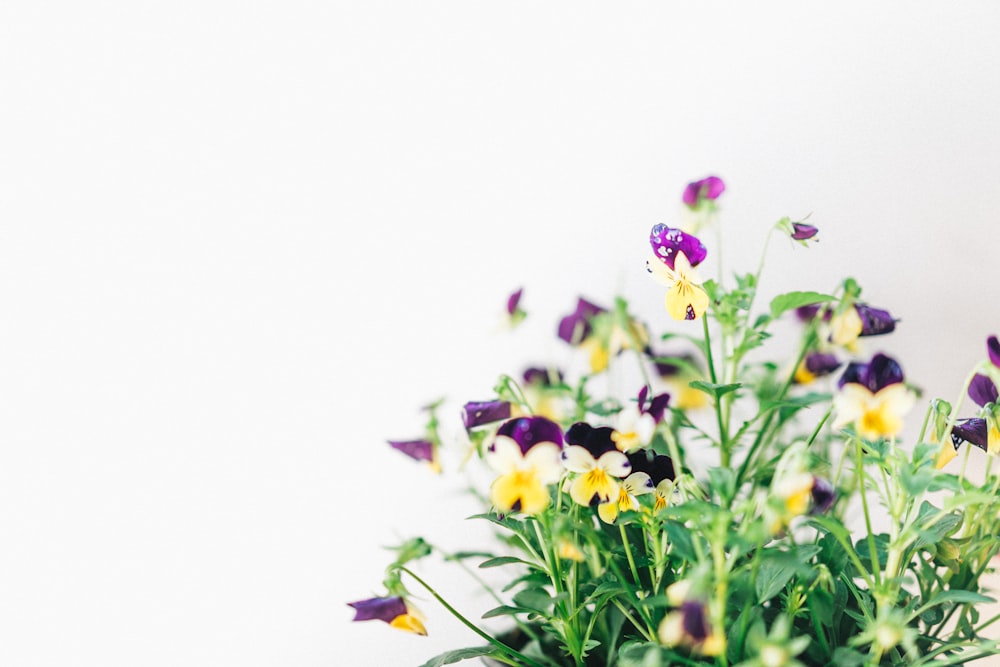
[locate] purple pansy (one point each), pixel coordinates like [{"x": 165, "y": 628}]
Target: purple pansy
[
  {"x": 974, "y": 430},
  {"x": 821, "y": 363},
  {"x": 993, "y": 348},
  {"x": 874, "y": 321},
  {"x": 392, "y": 610},
  {"x": 477, "y": 413},
  {"x": 668, "y": 241},
  {"x": 657, "y": 404},
  {"x": 823, "y": 495},
  {"x": 420, "y": 450},
  {"x": 513, "y": 301},
  {"x": 542, "y": 377},
  {"x": 982, "y": 390},
  {"x": 575, "y": 327},
  {"x": 597, "y": 441},
  {"x": 707, "y": 189}
]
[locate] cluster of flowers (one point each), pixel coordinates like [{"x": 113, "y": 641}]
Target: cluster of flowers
[{"x": 566, "y": 465}]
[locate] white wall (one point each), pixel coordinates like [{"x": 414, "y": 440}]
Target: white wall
[{"x": 243, "y": 243}]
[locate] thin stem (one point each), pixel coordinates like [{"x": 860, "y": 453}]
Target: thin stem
[{"x": 872, "y": 548}]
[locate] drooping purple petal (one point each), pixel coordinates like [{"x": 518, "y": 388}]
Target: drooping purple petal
[
  {"x": 820, "y": 363},
  {"x": 668, "y": 241},
  {"x": 477, "y": 413},
  {"x": 381, "y": 609},
  {"x": 803, "y": 232},
  {"x": 707, "y": 188},
  {"x": 595, "y": 440},
  {"x": 657, "y": 406},
  {"x": 876, "y": 375},
  {"x": 823, "y": 495},
  {"x": 576, "y": 326},
  {"x": 993, "y": 347},
  {"x": 874, "y": 321},
  {"x": 529, "y": 431},
  {"x": 513, "y": 301},
  {"x": 973, "y": 431},
  {"x": 982, "y": 390},
  {"x": 658, "y": 466},
  {"x": 419, "y": 450},
  {"x": 542, "y": 376}
]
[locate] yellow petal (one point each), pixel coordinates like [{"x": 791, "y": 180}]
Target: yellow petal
[
  {"x": 595, "y": 482},
  {"x": 686, "y": 300},
  {"x": 519, "y": 491},
  {"x": 409, "y": 623}
]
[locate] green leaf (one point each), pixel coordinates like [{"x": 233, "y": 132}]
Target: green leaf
[
  {"x": 716, "y": 390},
  {"x": 847, "y": 657},
  {"x": 535, "y": 599},
  {"x": 955, "y": 596},
  {"x": 790, "y": 300},
  {"x": 773, "y": 575},
  {"x": 504, "y": 610},
  {"x": 450, "y": 657},
  {"x": 680, "y": 541},
  {"x": 501, "y": 560}
]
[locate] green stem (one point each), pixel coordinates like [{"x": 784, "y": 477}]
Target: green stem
[
  {"x": 872, "y": 548},
  {"x": 723, "y": 436},
  {"x": 507, "y": 650}
]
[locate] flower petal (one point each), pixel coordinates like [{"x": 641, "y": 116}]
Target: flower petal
[
  {"x": 419, "y": 450},
  {"x": 614, "y": 463},
  {"x": 519, "y": 491},
  {"x": 593, "y": 487},
  {"x": 803, "y": 232},
  {"x": 982, "y": 390},
  {"x": 504, "y": 455},
  {"x": 709, "y": 189},
  {"x": 973, "y": 431},
  {"x": 576, "y": 326},
  {"x": 380, "y": 609},
  {"x": 685, "y": 301},
  {"x": 544, "y": 459},
  {"x": 576, "y": 458},
  {"x": 527, "y": 431},
  {"x": 513, "y": 301},
  {"x": 668, "y": 242},
  {"x": 874, "y": 321},
  {"x": 993, "y": 348}
]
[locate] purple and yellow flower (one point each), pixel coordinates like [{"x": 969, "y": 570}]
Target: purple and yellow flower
[
  {"x": 515, "y": 314},
  {"x": 982, "y": 431},
  {"x": 660, "y": 469},
  {"x": 525, "y": 452},
  {"x": 873, "y": 398},
  {"x": 633, "y": 486},
  {"x": 706, "y": 190},
  {"x": 542, "y": 391},
  {"x": 678, "y": 371},
  {"x": 393, "y": 610},
  {"x": 689, "y": 626},
  {"x": 857, "y": 321},
  {"x": 815, "y": 365},
  {"x": 675, "y": 254},
  {"x": 478, "y": 413},
  {"x": 592, "y": 455},
  {"x": 576, "y": 327}
]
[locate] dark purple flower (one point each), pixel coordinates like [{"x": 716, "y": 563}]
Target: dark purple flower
[
  {"x": 704, "y": 190},
  {"x": 378, "y": 609},
  {"x": 695, "y": 622},
  {"x": 513, "y": 301},
  {"x": 595, "y": 440},
  {"x": 982, "y": 390},
  {"x": 529, "y": 431},
  {"x": 668, "y": 241},
  {"x": 972, "y": 430},
  {"x": 808, "y": 312},
  {"x": 657, "y": 404},
  {"x": 877, "y": 374},
  {"x": 823, "y": 495},
  {"x": 665, "y": 367},
  {"x": 874, "y": 321},
  {"x": 576, "y": 326},
  {"x": 803, "y": 232},
  {"x": 477, "y": 413},
  {"x": 993, "y": 347},
  {"x": 420, "y": 450},
  {"x": 820, "y": 363}
]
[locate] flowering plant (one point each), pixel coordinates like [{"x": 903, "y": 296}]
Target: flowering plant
[{"x": 731, "y": 508}]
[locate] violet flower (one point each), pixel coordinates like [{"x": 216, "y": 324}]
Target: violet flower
[
  {"x": 873, "y": 398},
  {"x": 803, "y": 232},
  {"x": 392, "y": 610},
  {"x": 418, "y": 450},
  {"x": 477, "y": 413},
  {"x": 707, "y": 189},
  {"x": 675, "y": 254},
  {"x": 575, "y": 327}
]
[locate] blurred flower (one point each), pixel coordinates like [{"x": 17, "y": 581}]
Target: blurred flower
[
  {"x": 661, "y": 474},
  {"x": 515, "y": 314},
  {"x": 706, "y": 190},
  {"x": 816, "y": 364},
  {"x": 689, "y": 626},
  {"x": 982, "y": 431},
  {"x": 859, "y": 320},
  {"x": 393, "y": 610},
  {"x": 591, "y": 454},
  {"x": 873, "y": 398},
  {"x": 675, "y": 254},
  {"x": 679, "y": 371},
  {"x": 525, "y": 452},
  {"x": 477, "y": 413},
  {"x": 993, "y": 348},
  {"x": 418, "y": 450},
  {"x": 576, "y": 326}
]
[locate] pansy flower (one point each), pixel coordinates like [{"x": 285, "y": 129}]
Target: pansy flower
[
  {"x": 592, "y": 455},
  {"x": 576, "y": 327},
  {"x": 515, "y": 314},
  {"x": 815, "y": 365},
  {"x": 542, "y": 391},
  {"x": 982, "y": 431},
  {"x": 675, "y": 254},
  {"x": 525, "y": 452},
  {"x": 993, "y": 348},
  {"x": 637, "y": 422},
  {"x": 418, "y": 450},
  {"x": 478, "y": 413},
  {"x": 857, "y": 321},
  {"x": 660, "y": 469},
  {"x": 678, "y": 371},
  {"x": 698, "y": 193},
  {"x": 393, "y": 610},
  {"x": 797, "y": 231},
  {"x": 633, "y": 486},
  {"x": 690, "y": 626},
  {"x": 873, "y": 398}
]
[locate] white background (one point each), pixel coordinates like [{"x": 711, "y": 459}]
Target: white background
[{"x": 242, "y": 243}]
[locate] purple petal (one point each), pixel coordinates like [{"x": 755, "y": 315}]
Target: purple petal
[
  {"x": 595, "y": 440},
  {"x": 876, "y": 375},
  {"x": 993, "y": 347},
  {"x": 642, "y": 398},
  {"x": 542, "y": 376},
  {"x": 657, "y": 466},
  {"x": 529, "y": 431},
  {"x": 982, "y": 390},
  {"x": 874, "y": 321},
  {"x": 820, "y": 364},
  {"x": 477, "y": 413},
  {"x": 576, "y": 326},
  {"x": 803, "y": 232},
  {"x": 706, "y": 188},
  {"x": 382, "y": 609},
  {"x": 823, "y": 495},
  {"x": 695, "y": 623},
  {"x": 513, "y": 300},
  {"x": 972, "y": 431},
  {"x": 657, "y": 406},
  {"x": 420, "y": 450},
  {"x": 668, "y": 241}
]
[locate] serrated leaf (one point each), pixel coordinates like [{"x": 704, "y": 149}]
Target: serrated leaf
[
  {"x": 785, "y": 302},
  {"x": 457, "y": 655}
]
